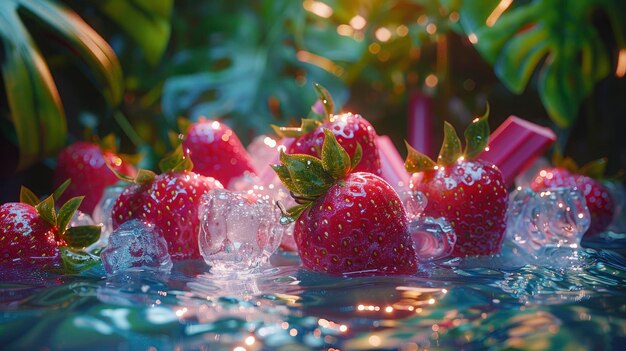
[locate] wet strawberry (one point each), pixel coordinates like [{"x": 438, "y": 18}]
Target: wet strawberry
[
  {"x": 32, "y": 232},
  {"x": 469, "y": 193},
  {"x": 599, "y": 200},
  {"x": 85, "y": 163},
  {"x": 216, "y": 150},
  {"x": 170, "y": 201},
  {"x": 26, "y": 237},
  {"x": 349, "y": 130},
  {"x": 347, "y": 222}
]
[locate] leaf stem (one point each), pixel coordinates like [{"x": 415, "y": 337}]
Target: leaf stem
[{"x": 128, "y": 129}]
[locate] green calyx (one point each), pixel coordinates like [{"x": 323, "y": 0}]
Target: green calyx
[
  {"x": 308, "y": 177},
  {"x": 315, "y": 118},
  {"x": 595, "y": 169},
  {"x": 176, "y": 161},
  {"x": 109, "y": 143},
  {"x": 476, "y": 140},
  {"x": 76, "y": 238}
]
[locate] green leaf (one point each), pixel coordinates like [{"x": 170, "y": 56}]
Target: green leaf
[
  {"x": 307, "y": 125},
  {"x": 249, "y": 69},
  {"x": 28, "y": 197},
  {"x": 325, "y": 98},
  {"x": 82, "y": 236},
  {"x": 594, "y": 169},
  {"x": 61, "y": 189},
  {"x": 477, "y": 136},
  {"x": 553, "y": 38},
  {"x": 46, "y": 210},
  {"x": 176, "y": 161},
  {"x": 67, "y": 212},
  {"x": 285, "y": 177},
  {"x": 91, "y": 47},
  {"x": 358, "y": 155},
  {"x": 307, "y": 174},
  {"x": 109, "y": 143},
  {"x": 183, "y": 124},
  {"x": 146, "y": 22},
  {"x": 144, "y": 176},
  {"x": 451, "y": 148},
  {"x": 335, "y": 159},
  {"x": 33, "y": 99},
  {"x": 417, "y": 161},
  {"x": 75, "y": 261},
  {"x": 296, "y": 211}
]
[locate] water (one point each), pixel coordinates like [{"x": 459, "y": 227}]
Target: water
[{"x": 475, "y": 304}]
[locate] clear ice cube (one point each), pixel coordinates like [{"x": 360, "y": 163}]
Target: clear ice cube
[
  {"x": 433, "y": 238},
  {"x": 102, "y": 212},
  {"x": 80, "y": 219},
  {"x": 136, "y": 246},
  {"x": 239, "y": 231},
  {"x": 551, "y": 218},
  {"x": 414, "y": 202},
  {"x": 528, "y": 176}
]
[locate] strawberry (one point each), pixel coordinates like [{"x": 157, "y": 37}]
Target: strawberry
[
  {"x": 85, "y": 163},
  {"x": 567, "y": 174},
  {"x": 169, "y": 201},
  {"x": 469, "y": 193},
  {"x": 34, "y": 236},
  {"x": 346, "y": 222},
  {"x": 215, "y": 150},
  {"x": 349, "y": 129}
]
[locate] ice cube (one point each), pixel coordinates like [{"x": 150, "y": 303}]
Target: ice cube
[
  {"x": 80, "y": 219},
  {"x": 414, "y": 202},
  {"x": 551, "y": 218},
  {"x": 238, "y": 230},
  {"x": 526, "y": 177},
  {"x": 618, "y": 193},
  {"x": 433, "y": 238},
  {"x": 136, "y": 246},
  {"x": 102, "y": 212}
]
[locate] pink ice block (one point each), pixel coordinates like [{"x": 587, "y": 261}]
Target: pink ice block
[
  {"x": 515, "y": 144},
  {"x": 391, "y": 163},
  {"x": 420, "y": 123},
  {"x": 266, "y": 173}
]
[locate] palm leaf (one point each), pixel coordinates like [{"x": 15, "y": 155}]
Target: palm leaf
[
  {"x": 147, "y": 22},
  {"x": 34, "y": 102},
  {"x": 554, "y": 38}
]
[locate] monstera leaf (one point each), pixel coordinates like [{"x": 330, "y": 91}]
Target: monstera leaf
[
  {"x": 554, "y": 37},
  {"x": 34, "y": 104},
  {"x": 256, "y": 68},
  {"x": 147, "y": 22}
]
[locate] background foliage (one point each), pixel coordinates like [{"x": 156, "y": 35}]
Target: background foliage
[{"x": 134, "y": 66}]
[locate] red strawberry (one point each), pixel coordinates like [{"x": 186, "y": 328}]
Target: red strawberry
[
  {"x": 347, "y": 222},
  {"x": 348, "y": 128},
  {"x": 170, "y": 201},
  {"x": 32, "y": 232},
  {"x": 216, "y": 150},
  {"x": 469, "y": 193},
  {"x": 599, "y": 200},
  {"x": 85, "y": 163}
]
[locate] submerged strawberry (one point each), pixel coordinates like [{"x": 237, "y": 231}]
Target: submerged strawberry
[
  {"x": 347, "y": 222},
  {"x": 349, "y": 129},
  {"x": 32, "y": 232},
  {"x": 598, "y": 198},
  {"x": 170, "y": 201},
  {"x": 469, "y": 193},
  {"x": 215, "y": 150},
  {"x": 85, "y": 163}
]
